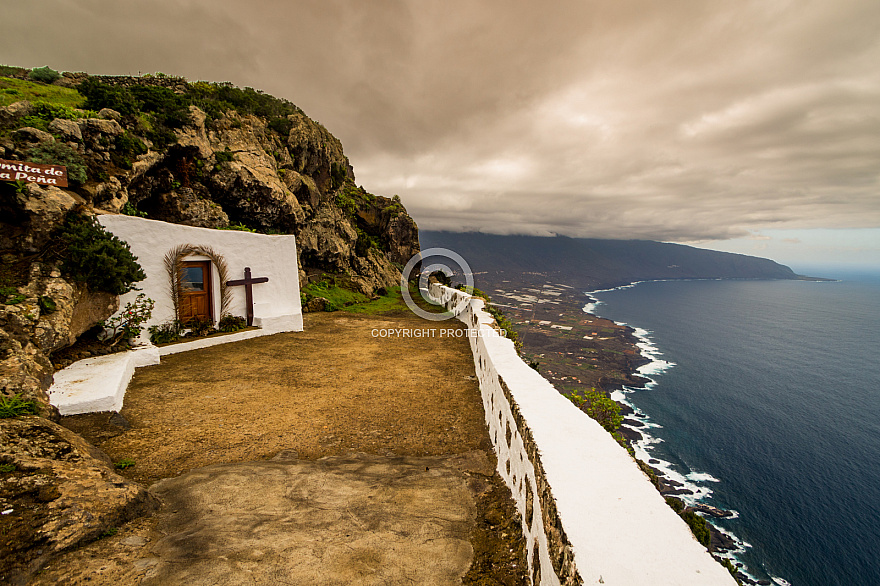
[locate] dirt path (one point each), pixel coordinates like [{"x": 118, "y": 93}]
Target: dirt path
[{"x": 335, "y": 390}]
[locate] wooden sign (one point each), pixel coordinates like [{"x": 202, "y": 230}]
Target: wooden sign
[{"x": 33, "y": 173}]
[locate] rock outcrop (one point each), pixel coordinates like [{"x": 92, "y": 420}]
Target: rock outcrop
[{"x": 56, "y": 491}]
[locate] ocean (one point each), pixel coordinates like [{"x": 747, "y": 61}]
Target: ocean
[{"x": 766, "y": 402}]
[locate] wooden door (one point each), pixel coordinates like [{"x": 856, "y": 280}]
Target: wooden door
[{"x": 195, "y": 290}]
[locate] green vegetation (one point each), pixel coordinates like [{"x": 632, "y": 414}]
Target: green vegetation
[
  {"x": 506, "y": 325},
  {"x": 128, "y": 147},
  {"x": 199, "y": 327},
  {"x": 6, "y": 468},
  {"x": 239, "y": 226},
  {"x": 130, "y": 210},
  {"x": 44, "y": 74},
  {"x": 600, "y": 408},
  {"x": 42, "y": 113},
  {"x": 224, "y": 156},
  {"x": 10, "y": 296},
  {"x": 96, "y": 257},
  {"x": 123, "y": 464},
  {"x": 698, "y": 526},
  {"x": 58, "y": 153},
  {"x": 47, "y": 305},
  {"x": 329, "y": 289},
  {"x": 232, "y": 323},
  {"x": 15, "y": 90},
  {"x": 391, "y": 301},
  {"x": 110, "y": 532},
  {"x": 15, "y": 406},
  {"x": 730, "y": 568},
  {"x": 159, "y": 109},
  {"x": 165, "y": 333},
  {"x": 128, "y": 323}
]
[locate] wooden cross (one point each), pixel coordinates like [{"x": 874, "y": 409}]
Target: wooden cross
[{"x": 248, "y": 283}]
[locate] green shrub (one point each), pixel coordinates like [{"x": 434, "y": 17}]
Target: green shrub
[
  {"x": 199, "y": 326},
  {"x": 14, "y": 406},
  {"x": 42, "y": 113},
  {"x": 101, "y": 95},
  {"x": 44, "y": 74},
  {"x": 698, "y": 526},
  {"x": 232, "y": 323},
  {"x": 130, "y": 210},
  {"x": 129, "y": 144},
  {"x": 128, "y": 323},
  {"x": 58, "y": 153},
  {"x": 94, "y": 256},
  {"x": 224, "y": 156},
  {"x": 281, "y": 125},
  {"x": 7, "y": 70},
  {"x": 7, "y": 468},
  {"x": 600, "y": 408},
  {"x": 165, "y": 333}
]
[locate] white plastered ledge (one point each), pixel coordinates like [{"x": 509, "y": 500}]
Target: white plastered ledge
[{"x": 98, "y": 384}]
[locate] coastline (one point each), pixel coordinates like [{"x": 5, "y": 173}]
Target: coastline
[
  {"x": 690, "y": 488},
  {"x": 576, "y": 350}
]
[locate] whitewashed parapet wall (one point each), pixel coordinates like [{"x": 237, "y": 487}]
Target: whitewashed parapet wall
[
  {"x": 277, "y": 305},
  {"x": 589, "y": 514}
]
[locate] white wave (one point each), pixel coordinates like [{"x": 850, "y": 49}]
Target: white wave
[{"x": 702, "y": 477}]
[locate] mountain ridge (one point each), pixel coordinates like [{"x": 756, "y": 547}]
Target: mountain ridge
[{"x": 594, "y": 263}]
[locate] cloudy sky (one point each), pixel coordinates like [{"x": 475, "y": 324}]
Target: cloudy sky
[{"x": 741, "y": 125}]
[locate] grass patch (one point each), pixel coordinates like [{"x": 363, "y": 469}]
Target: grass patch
[
  {"x": 14, "y": 406},
  {"x": 392, "y": 301},
  {"x": 14, "y": 90},
  {"x": 124, "y": 463},
  {"x": 336, "y": 295}
]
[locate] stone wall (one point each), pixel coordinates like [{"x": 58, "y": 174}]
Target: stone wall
[{"x": 589, "y": 515}]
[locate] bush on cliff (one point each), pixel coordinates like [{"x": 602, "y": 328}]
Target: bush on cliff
[
  {"x": 96, "y": 257},
  {"x": 600, "y": 408},
  {"x": 58, "y": 153},
  {"x": 45, "y": 74}
]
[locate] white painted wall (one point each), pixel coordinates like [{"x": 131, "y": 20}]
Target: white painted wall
[
  {"x": 620, "y": 528},
  {"x": 277, "y": 306}
]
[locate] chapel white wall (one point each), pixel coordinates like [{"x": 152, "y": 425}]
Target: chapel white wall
[
  {"x": 617, "y": 527},
  {"x": 277, "y": 305}
]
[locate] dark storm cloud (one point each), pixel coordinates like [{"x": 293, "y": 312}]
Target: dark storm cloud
[{"x": 678, "y": 120}]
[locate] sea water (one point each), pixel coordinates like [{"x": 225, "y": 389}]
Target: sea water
[{"x": 766, "y": 402}]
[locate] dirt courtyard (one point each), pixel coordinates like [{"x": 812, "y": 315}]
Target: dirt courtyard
[
  {"x": 339, "y": 389},
  {"x": 332, "y": 389}
]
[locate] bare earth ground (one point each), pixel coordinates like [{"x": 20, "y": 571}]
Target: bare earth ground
[{"x": 333, "y": 402}]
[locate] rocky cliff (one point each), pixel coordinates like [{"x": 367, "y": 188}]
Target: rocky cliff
[{"x": 200, "y": 154}]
